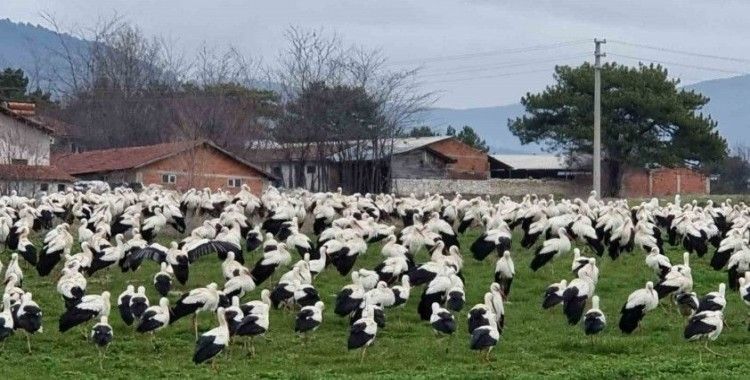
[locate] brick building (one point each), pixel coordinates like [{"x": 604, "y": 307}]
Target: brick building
[
  {"x": 468, "y": 162},
  {"x": 431, "y": 157},
  {"x": 179, "y": 165},
  {"x": 663, "y": 181}
]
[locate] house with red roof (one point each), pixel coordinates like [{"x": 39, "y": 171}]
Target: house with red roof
[
  {"x": 177, "y": 165},
  {"x": 25, "y": 141}
]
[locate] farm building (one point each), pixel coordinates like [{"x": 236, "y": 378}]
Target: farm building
[
  {"x": 325, "y": 166},
  {"x": 636, "y": 182},
  {"x": 25, "y": 141},
  {"x": 438, "y": 157},
  {"x": 538, "y": 166},
  {"x": 663, "y": 181},
  {"x": 178, "y": 165},
  {"x": 428, "y": 157},
  {"x": 297, "y": 165}
]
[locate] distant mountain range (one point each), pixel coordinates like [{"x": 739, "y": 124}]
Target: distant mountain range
[
  {"x": 490, "y": 122},
  {"x": 27, "y": 46},
  {"x": 24, "y": 45},
  {"x": 729, "y": 105}
]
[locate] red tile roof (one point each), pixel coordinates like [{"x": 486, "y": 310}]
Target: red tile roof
[
  {"x": 33, "y": 173},
  {"x": 107, "y": 160},
  {"x": 24, "y": 112}
]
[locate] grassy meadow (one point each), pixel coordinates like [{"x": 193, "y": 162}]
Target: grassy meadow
[{"x": 536, "y": 343}]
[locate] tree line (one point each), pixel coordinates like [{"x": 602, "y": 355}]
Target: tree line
[
  {"x": 323, "y": 98},
  {"x": 122, "y": 88}
]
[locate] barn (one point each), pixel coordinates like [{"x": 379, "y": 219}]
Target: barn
[
  {"x": 431, "y": 158},
  {"x": 540, "y": 166},
  {"x": 297, "y": 165},
  {"x": 177, "y": 165},
  {"x": 327, "y": 165}
]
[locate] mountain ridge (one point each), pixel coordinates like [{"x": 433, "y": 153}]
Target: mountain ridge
[{"x": 24, "y": 44}]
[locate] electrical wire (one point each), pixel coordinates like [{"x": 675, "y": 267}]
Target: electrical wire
[
  {"x": 676, "y": 51},
  {"x": 489, "y": 53},
  {"x": 502, "y": 65},
  {"x": 491, "y": 76},
  {"x": 678, "y": 64}
]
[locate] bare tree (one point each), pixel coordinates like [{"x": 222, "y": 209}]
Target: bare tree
[
  {"x": 126, "y": 89},
  {"x": 344, "y": 100}
]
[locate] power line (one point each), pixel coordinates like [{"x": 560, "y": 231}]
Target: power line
[
  {"x": 679, "y": 64},
  {"x": 490, "y": 76},
  {"x": 676, "y": 51},
  {"x": 502, "y": 65},
  {"x": 489, "y": 53}
]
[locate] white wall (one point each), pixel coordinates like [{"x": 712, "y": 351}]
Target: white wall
[
  {"x": 494, "y": 186},
  {"x": 21, "y": 141},
  {"x": 29, "y": 188}
]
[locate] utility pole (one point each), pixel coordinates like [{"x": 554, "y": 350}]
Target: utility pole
[{"x": 598, "y": 115}]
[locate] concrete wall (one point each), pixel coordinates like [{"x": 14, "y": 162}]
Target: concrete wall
[
  {"x": 30, "y": 188},
  {"x": 510, "y": 187},
  {"x": 21, "y": 141},
  {"x": 470, "y": 163}
]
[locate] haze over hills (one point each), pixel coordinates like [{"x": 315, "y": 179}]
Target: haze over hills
[
  {"x": 729, "y": 105},
  {"x": 490, "y": 122},
  {"x": 24, "y": 45}
]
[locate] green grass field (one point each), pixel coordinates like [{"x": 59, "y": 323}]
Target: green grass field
[{"x": 535, "y": 342}]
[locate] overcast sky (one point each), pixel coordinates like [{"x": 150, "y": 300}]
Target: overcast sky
[{"x": 504, "y": 46}]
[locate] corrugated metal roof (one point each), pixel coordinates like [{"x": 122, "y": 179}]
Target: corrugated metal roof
[
  {"x": 407, "y": 144},
  {"x": 400, "y": 145},
  {"x": 532, "y": 161}
]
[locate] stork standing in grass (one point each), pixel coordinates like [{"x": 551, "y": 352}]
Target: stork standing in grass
[
  {"x": 212, "y": 342},
  {"x": 95, "y": 305},
  {"x": 154, "y": 319},
  {"x": 551, "y": 249},
  {"x": 363, "y": 332},
  {"x": 505, "y": 270},
  {"x": 196, "y": 301},
  {"x": 308, "y": 320},
  {"x": 594, "y": 320},
  {"x": 705, "y": 325},
  {"x": 102, "y": 335},
  {"x": 638, "y": 304}
]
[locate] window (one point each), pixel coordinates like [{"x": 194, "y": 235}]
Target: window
[
  {"x": 44, "y": 187},
  {"x": 276, "y": 171},
  {"x": 310, "y": 169},
  {"x": 234, "y": 182},
  {"x": 60, "y": 187},
  {"x": 19, "y": 161},
  {"x": 168, "y": 178}
]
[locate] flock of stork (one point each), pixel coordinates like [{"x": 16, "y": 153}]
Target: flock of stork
[{"x": 121, "y": 228}]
